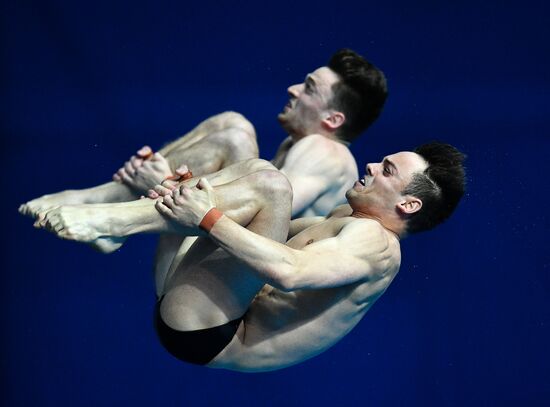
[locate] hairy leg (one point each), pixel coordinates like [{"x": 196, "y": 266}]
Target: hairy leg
[
  {"x": 208, "y": 154},
  {"x": 119, "y": 192},
  {"x": 99, "y": 224}
]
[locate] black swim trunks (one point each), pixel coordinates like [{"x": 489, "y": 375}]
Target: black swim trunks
[{"x": 198, "y": 347}]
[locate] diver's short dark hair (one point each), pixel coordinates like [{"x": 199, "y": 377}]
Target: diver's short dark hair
[
  {"x": 360, "y": 94},
  {"x": 440, "y": 186}
]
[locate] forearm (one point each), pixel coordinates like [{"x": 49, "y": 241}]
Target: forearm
[{"x": 273, "y": 262}]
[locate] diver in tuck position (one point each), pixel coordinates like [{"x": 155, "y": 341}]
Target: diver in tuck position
[
  {"x": 333, "y": 105},
  {"x": 240, "y": 298}
]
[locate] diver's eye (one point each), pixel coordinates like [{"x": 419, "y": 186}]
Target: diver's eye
[{"x": 387, "y": 170}]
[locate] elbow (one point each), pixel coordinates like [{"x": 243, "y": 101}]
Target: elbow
[
  {"x": 284, "y": 280},
  {"x": 285, "y": 284}
]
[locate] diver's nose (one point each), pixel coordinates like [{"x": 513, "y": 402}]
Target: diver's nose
[
  {"x": 294, "y": 90},
  {"x": 370, "y": 169}
]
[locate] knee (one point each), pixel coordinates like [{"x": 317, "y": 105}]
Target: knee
[
  {"x": 274, "y": 185},
  {"x": 238, "y": 143},
  {"x": 234, "y": 120},
  {"x": 257, "y": 164}
]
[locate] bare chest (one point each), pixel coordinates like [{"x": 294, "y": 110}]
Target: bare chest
[{"x": 325, "y": 230}]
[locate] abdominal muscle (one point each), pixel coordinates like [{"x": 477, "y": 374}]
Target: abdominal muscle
[
  {"x": 284, "y": 328},
  {"x": 281, "y": 329}
]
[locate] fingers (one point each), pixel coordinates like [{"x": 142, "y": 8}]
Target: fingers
[
  {"x": 136, "y": 162},
  {"x": 205, "y": 186},
  {"x": 152, "y": 194},
  {"x": 157, "y": 157},
  {"x": 129, "y": 167},
  {"x": 133, "y": 164},
  {"x": 126, "y": 178},
  {"x": 170, "y": 184},
  {"x": 158, "y": 191},
  {"x": 163, "y": 209},
  {"x": 162, "y": 190},
  {"x": 121, "y": 175}
]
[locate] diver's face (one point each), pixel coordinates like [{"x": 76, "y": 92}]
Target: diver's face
[
  {"x": 379, "y": 192},
  {"x": 308, "y": 103}
]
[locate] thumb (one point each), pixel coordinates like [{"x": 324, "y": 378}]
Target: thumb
[
  {"x": 204, "y": 185},
  {"x": 157, "y": 157},
  {"x": 145, "y": 152}
]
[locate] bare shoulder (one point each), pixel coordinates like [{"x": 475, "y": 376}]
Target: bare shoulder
[
  {"x": 340, "y": 211},
  {"x": 370, "y": 240},
  {"x": 317, "y": 142}
]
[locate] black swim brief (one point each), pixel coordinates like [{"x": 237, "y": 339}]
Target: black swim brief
[{"x": 198, "y": 347}]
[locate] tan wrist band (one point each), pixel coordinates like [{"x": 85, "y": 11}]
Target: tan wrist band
[
  {"x": 210, "y": 219},
  {"x": 180, "y": 178}
]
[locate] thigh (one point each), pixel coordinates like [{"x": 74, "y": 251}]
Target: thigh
[
  {"x": 209, "y": 287},
  {"x": 215, "y": 151}
]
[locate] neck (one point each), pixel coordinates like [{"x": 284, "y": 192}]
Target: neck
[
  {"x": 394, "y": 229},
  {"x": 297, "y": 137}
]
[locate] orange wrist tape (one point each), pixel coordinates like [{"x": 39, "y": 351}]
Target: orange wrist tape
[
  {"x": 180, "y": 178},
  {"x": 209, "y": 220}
]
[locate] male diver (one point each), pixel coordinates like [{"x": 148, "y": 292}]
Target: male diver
[
  {"x": 333, "y": 105},
  {"x": 242, "y": 298}
]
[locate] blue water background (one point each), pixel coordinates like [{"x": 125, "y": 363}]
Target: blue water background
[{"x": 83, "y": 85}]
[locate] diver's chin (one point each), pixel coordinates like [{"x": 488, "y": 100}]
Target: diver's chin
[{"x": 358, "y": 186}]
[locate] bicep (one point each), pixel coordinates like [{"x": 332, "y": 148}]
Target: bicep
[
  {"x": 300, "y": 224},
  {"x": 328, "y": 264},
  {"x": 359, "y": 252}
]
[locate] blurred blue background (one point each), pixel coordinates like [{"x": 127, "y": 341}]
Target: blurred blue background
[{"x": 84, "y": 84}]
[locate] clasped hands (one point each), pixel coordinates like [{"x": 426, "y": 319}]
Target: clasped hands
[
  {"x": 144, "y": 170},
  {"x": 184, "y": 205}
]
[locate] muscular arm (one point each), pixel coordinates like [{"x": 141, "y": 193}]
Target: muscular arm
[
  {"x": 360, "y": 251},
  {"x": 300, "y": 224}
]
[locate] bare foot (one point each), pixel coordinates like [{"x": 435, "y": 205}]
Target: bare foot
[
  {"x": 83, "y": 224},
  {"x": 47, "y": 202}
]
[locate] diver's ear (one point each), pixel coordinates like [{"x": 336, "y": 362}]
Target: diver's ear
[
  {"x": 333, "y": 120},
  {"x": 409, "y": 205}
]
